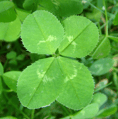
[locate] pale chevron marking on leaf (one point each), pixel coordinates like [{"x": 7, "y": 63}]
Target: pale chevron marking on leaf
[
  {"x": 71, "y": 76},
  {"x": 77, "y": 35},
  {"x": 47, "y": 79},
  {"x": 40, "y": 74},
  {"x": 41, "y": 42},
  {"x": 74, "y": 75},
  {"x": 74, "y": 45},
  {"x": 83, "y": 112},
  {"x": 70, "y": 38},
  {"x": 66, "y": 80},
  {"x": 49, "y": 39}
]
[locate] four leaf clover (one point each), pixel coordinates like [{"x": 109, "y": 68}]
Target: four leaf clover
[{"x": 57, "y": 78}]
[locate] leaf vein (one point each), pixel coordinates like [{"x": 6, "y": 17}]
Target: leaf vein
[{"x": 76, "y": 37}]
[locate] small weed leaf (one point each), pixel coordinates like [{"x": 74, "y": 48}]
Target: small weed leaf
[
  {"x": 107, "y": 111},
  {"x": 10, "y": 78},
  {"x": 10, "y": 31},
  {"x": 99, "y": 98},
  {"x": 101, "y": 66},
  {"x": 7, "y": 12},
  {"x": 89, "y": 111},
  {"x": 30, "y": 4}
]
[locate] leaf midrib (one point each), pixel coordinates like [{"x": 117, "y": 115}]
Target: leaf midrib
[
  {"x": 71, "y": 82},
  {"x": 12, "y": 6},
  {"x": 42, "y": 32},
  {"x": 75, "y": 37},
  {"x": 40, "y": 83}
]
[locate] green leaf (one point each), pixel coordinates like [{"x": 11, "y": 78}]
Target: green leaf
[
  {"x": 48, "y": 5},
  {"x": 108, "y": 111},
  {"x": 67, "y": 8},
  {"x": 79, "y": 85},
  {"x": 20, "y": 57},
  {"x": 89, "y": 111},
  {"x": 115, "y": 79},
  {"x": 1, "y": 88},
  {"x": 62, "y": 8},
  {"x": 110, "y": 93},
  {"x": 99, "y": 4},
  {"x": 30, "y": 4},
  {"x": 18, "y": 3},
  {"x": 1, "y": 69},
  {"x": 22, "y": 14},
  {"x": 8, "y": 117},
  {"x": 81, "y": 36},
  {"x": 101, "y": 66},
  {"x": 94, "y": 15},
  {"x": 10, "y": 78},
  {"x": 42, "y": 33},
  {"x": 40, "y": 84},
  {"x": 99, "y": 98},
  {"x": 13, "y": 62},
  {"x": 10, "y": 31},
  {"x": 115, "y": 21},
  {"x": 102, "y": 49},
  {"x": 7, "y": 12},
  {"x": 11, "y": 55}
]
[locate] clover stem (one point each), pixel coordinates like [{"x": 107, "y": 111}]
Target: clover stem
[
  {"x": 32, "y": 114},
  {"x": 106, "y": 18}
]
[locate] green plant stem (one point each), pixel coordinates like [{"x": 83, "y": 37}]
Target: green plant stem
[
  {"x": 98, "y": 8},
  {"x": 106, "y": 18},
  {"x": 32, "y": 114},
  {"x": 17, "y": 108}
]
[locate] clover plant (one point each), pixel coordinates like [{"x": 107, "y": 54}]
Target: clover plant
[
  {"x": 49, "y": 50},
  {"x": 58, "y": 77}
]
